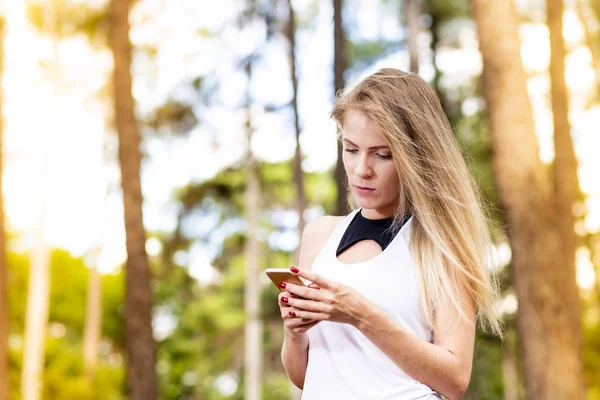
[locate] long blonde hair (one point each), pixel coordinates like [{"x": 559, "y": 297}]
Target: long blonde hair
[{"x": 450, "y": 233}]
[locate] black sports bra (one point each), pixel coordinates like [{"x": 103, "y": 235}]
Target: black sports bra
[{"x": 361, "y": 228}]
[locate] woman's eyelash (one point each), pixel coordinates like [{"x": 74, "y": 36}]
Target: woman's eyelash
[{"x": 385, "y": 157}]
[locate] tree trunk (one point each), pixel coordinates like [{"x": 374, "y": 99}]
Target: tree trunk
[
  {"x": 38, "y": 293},
  {"x": 412, "y": 12},
  {"x": 340, "y": 63},
  {"x": 592, "y": 38},
  {"x": 553, "y": 368},
  {"x": 566, "y": 182},
  {"x": 38, "y": 290},
  {"x": 4, "y": 319},
  {"x": 253, "y": 326},
  {"x": 141, "y": 372},
  {"x": 298, "y": 173},
  {"x": 93, "y": 317}
]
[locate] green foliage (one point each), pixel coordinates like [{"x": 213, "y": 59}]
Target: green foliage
[
  {"x": 68, "y": 282},
  {"x": 64, "y": 376},
  {"x": 70, "y": 19},
  {"x": 276, "y": 387},
  {"x": 113, "y": 300},
  {"x": 174, "y": 116},
  {"x": 363, "y": 53},
  {"x": 307, "y": 19},
  {"x": 447, "y": 9},
  {"x": 18, "y": 275},
  {"x": 63, "y": 372},
  {"x": 591, "y": 344},
  {"x": 486, "y": 377}
]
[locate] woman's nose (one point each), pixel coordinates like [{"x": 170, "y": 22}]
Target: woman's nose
[{"x": 363, "y": 169}]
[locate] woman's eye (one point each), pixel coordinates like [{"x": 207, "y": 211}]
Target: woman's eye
[
  {"x": 351, "y": 150},
  {"x": 384, "y": 156}
]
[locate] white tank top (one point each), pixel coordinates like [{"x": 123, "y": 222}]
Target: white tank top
[{"x": 342, "y": 362}]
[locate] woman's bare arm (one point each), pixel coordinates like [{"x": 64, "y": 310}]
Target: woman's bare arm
[
  {"x": 294, "y": 352},
  {"x": 444, "y": 365}
]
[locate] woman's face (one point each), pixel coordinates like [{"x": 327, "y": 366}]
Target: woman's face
[{"x": 369, "y": 166}]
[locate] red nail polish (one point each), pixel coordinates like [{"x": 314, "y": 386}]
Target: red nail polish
[
  {"x": 294, "y": 270},
  {"x": 284, "y": 299},
  {"x": 293, "y": 314},
  {"x": 282, "y": 285}
]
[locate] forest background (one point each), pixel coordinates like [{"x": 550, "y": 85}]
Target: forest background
[{"x": 158, "y": 155}]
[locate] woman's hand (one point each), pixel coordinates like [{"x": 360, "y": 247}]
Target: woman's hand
[
  {"x": 293, "y": 326},
  {"x": 323, "y": 300}
]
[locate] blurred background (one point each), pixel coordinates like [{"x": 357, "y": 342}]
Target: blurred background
[{"x": 194, "y": 134}]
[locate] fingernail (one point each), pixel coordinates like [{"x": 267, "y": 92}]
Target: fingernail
[
  {"x": 293, "y": 314},
  {"x": 294, "y": 270},
  {"x": 284, "y": 299},
  {"x": 282, "y": 285}
]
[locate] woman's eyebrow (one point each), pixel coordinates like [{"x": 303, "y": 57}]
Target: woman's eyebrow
[{"x": 370, "y": 148}]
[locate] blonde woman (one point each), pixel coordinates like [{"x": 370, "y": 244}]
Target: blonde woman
[{"x": 399, "y": 283}]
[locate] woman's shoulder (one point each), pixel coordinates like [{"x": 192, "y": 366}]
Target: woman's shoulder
[
  {"x": 325, "y": 222},
  {"x": 315, "y": 234},
  {"x": 318, "y": 230}
]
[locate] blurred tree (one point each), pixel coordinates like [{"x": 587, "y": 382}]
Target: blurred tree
[
  {"x": 301, "y": 204},
  {"x": 443, "y": 14},
  {"x": 4, "y": 317},
  {"x": 340, "y": 64},
  {"x": 38, "y": 289},
  {"x": 290, "y": 32},
  {"x": 141, "y": 357},
  {"x": 93, "y": 316},
  {"x": 552, "y": 366},
  {"x": 213, "y": 349},
  {"x": 253, "y": 325},
  {"x": 566, "y": 182},
  {"x": 209, "y": 333},
  {"x": 298, "y": 172},
  {"x": 448, "y": 22},
  {"x": 412, "y": 13},
  {"x": 590, "y": 22}
]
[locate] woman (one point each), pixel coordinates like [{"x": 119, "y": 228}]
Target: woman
[{"x": 398, "y": 284}]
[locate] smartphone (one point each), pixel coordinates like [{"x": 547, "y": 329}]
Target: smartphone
[{"x": 278, "y": 275}]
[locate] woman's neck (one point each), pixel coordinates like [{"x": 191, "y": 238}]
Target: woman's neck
[{"x": 377, "y": 213}]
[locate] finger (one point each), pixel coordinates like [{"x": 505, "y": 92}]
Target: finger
[
  {"x": 285, "y": 301},
  {"x": 283, "y": 294},
  {"x": 314, "y": 278},
  {"x": 283, "y": 291},
  {"x": 296, "y": 322},
  {"x": 317, "y": 316},
  {"x": 308, "y": 305},
  {"x": 283, "y": 304},
  {"x": 307, "y": 321},
  {"x": 314, "y": 286},
  {"x": 305, "y": 292},
  {"x": 310, "y": 324},
  {"x": 307, "y": 326}
]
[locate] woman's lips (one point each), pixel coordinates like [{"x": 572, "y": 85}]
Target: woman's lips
[{"x": 363, "y": 190}]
